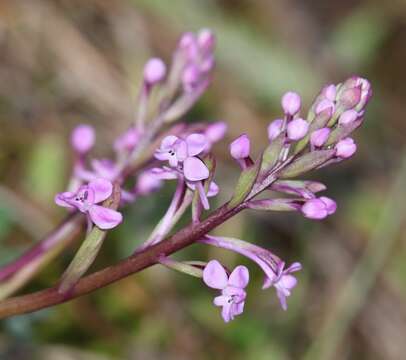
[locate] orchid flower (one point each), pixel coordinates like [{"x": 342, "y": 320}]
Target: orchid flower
[
  {"x": 232, "y": 298},
  {"x": 85, "y": 200}
]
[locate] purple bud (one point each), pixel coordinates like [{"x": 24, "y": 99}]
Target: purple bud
[
  {"x": 188, "y": 46},
  {"x": 190, "y": 77},
  {"x": 240, "y": 147},
  {"x": 291, "y": 103},
  {"x": 345, "y": 148},
  {"x": 216, "y": 131},
  {"x": 82, "y": 138},
  {"x": 154, "y": 71},
  {"x": 324, "y": 105},
  {"x": 318, "y": 209},
  {"x": 297, "y": 129},
  {"x": 274, "y": 129},
  {"x": 348, "y": 117},
  {"x": 319, "y": 137},
  {"x": 329, "y": 92},
  {"x": 148, "y": 182},
  {"x": 206, "y": 40},
  {"x": 331, "y": 205},
  {"x": 351, "y": 97}
]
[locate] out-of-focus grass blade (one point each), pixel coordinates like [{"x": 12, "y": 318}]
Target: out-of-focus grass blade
[
  {"x": 45, "y": 173},
  {"x": 359, "y": 36}
]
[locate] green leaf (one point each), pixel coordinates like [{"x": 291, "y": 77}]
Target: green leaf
[
  {"x": 306, "y": 163},
  {"x": 271, "y": 154},
  {"x": 89, "y": 249},
  {"x": 82, "y": 260},
  {"x": 274, "y": 205},
  {"x": 245, "y": 183}
]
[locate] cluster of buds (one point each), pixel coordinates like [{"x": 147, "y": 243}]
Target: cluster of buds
[{"x": 298, "y": 144}]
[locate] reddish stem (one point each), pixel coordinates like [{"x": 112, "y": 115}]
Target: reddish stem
[{"x": 133, "y": 264}]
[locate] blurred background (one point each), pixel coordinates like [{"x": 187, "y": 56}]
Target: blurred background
[{"x": 64, "y": 62}]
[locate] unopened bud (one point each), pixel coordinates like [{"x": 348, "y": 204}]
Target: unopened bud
[
  {"x": 291, "y": 103},
  {"x": 297, "y": 129},
  {"x": 240, "y": 147}
]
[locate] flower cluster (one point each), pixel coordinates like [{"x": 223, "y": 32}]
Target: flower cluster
[{"x": 297, "y": 144}]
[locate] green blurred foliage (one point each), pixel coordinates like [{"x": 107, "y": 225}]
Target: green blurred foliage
[{"x": 82, "y": 65}]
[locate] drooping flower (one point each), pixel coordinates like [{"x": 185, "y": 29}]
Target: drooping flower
[
  {"x": 283, "y": 282},
  {"x": 85, "y": 200},
  {"x": 232, "y": 298}
]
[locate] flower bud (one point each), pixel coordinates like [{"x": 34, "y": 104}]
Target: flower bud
[
  {"x": 345, "y": 148},
  {"x": 274, "y": 129},
  {"x": 82, "y": 138},
  {"x": 348, "y": 117},
  {"x": 154, "y": 71},
  {"x": 350, "y": 97},
  {"x": 297, "y": 129},
  {"x": 240, "y": 147},
  {"x": 319, "y": 137},
  {"x": 147, "y": 182},
  {"x": 216, "y": 131},
  {"x": 206, "y": 40},
  {"x": 291, "y": 103},
  {"x": 324, "y": 105},
  {"x": 318, "y": 209},
  {"x": 329, "y": 92},
  {"x": 190, "y": 77}
]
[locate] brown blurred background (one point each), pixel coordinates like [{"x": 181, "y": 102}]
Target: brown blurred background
[{"x": 65, "y": 62}]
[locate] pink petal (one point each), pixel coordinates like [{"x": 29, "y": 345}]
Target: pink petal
[
  {"x": 102, "y": 189},
  {"x": 239, "y": 308},
  {"x": 196, "y": 143},
  {"x": 105, "y": 218},
  {"x": 213, "y": 189},
  {"x": 296, "y": 266},
  {"x": 226, "y": 313},
  {"x": 181, "y": 150},
  {"x": 61, "y": 199},
  {"x": 194, "y": 169},
  {"x": 288, "y": 281},
  {"x": 214, "y": 275},
  {"x": 239, "y": 277},
  {"x": 168, "y": 142},
  {"x": 202, "y": 195},
  {"x": 282, "y": 299},
  {"x": 221, "y": 300}
]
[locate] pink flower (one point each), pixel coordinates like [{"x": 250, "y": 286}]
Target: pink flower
[
  {"x": 283, "y": 282},
  {"x": 232, "y": 298},
  {"x": 175, "y": 150},
  {"x": 82, "y": 138},
  {"x": 85, "y": 200}
]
